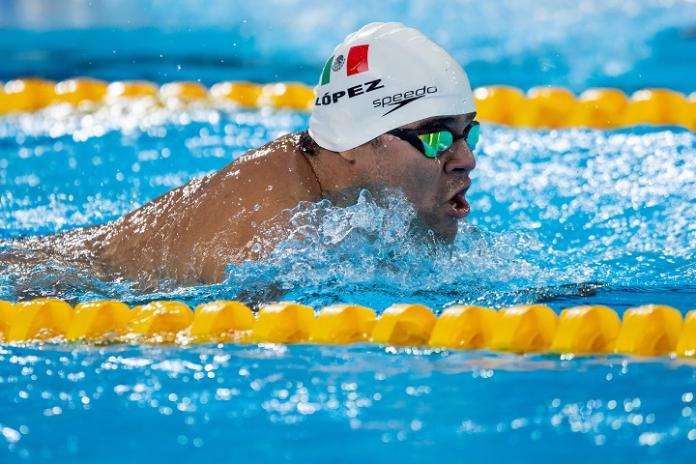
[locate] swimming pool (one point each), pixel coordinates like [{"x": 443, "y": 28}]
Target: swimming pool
[{"x": 564, "y": 217}]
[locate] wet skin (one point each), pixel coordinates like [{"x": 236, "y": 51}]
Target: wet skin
[{"x": 192, "y": 233}]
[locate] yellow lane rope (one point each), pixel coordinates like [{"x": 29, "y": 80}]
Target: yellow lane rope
[
  {"x": 540, "y": 107},
  {"x": 649, "y": 330}
]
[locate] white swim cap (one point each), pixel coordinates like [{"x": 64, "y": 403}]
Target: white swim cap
[{"x": 381, "y": 77}]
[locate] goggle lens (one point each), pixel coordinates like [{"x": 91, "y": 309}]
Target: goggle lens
[
  {"x": 472, "y": 137},
  {"x": 435, "y": 143}
]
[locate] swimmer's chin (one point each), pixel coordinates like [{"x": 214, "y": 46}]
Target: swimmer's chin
[
  {"x": 446, "y": 236},
  {"x": 442, "y": 232}
]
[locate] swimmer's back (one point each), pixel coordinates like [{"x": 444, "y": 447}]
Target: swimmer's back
[{"x": 192, "y": 233}]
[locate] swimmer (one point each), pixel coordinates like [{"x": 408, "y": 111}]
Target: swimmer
[{"x": 392, "y": 110}]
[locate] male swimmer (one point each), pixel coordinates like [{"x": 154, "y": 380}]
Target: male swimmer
[{"x": 392, "y": 110}]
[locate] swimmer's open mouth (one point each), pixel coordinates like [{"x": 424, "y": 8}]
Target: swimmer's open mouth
[{"x": 457, "y": 205}]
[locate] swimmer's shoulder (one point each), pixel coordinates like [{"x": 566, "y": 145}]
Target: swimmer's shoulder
[
  {"x": 284, "y": 146},
  {"x": 279, "y": 164}
]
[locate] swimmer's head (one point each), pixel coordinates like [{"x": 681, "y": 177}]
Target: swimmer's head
[
  {"x": 382, "y": 77},
  {"x": 382, "y": 88}
]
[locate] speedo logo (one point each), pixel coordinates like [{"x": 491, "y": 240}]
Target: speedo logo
[
  {"x": 399, "y": 100},
  {"x": 350, "y": 92}
]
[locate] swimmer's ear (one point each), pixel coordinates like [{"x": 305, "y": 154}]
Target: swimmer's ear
[{"x": 363, "y": 151}]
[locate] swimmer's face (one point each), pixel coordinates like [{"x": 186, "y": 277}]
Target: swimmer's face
[{"x": 436, "y": 186}]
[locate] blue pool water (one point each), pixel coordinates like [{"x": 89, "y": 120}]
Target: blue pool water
[
  {"x": 617, "y": 43},
  {"x": 561, "y": 217}
]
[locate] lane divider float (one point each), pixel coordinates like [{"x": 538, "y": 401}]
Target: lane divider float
[
  {"x": 648, "y": 330},
  {"x": 539, "y": 107}
]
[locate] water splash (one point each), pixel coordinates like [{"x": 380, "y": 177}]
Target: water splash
[
  {"x": 368, "y": 253},
  {"x": 331, "y": 254}
]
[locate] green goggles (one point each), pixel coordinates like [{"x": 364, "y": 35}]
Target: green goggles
[{"x": 432, "y": 143}]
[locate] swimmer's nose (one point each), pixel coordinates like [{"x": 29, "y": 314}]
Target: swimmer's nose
[{"x": 461, "y": 159}]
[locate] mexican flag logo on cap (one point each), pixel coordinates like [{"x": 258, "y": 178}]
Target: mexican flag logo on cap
[{"x": 355, "y": 64}]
